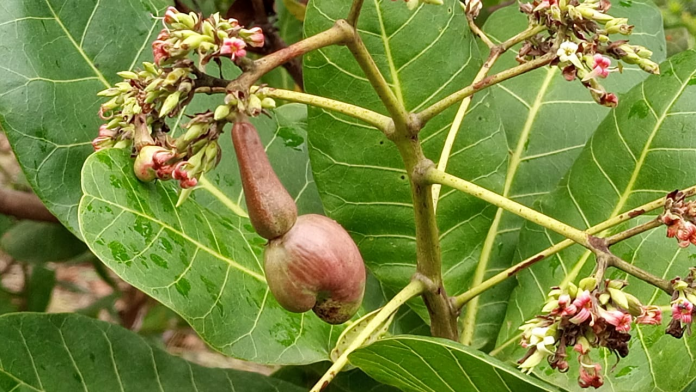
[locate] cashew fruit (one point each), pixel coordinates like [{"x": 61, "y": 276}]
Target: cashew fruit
[{"x": 316, "y": 265}]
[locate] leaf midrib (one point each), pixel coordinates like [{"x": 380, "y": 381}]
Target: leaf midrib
[
  {"x": 77, "y": 47},
  {"x": 487, "y": 249}
]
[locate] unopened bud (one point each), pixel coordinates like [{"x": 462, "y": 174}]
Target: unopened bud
[
  {"x": 170, "y": 103},
  {"x": 619, "y": 298},
  {"x": 221, "y": 112}
]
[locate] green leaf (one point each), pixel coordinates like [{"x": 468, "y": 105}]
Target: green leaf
[
  {"x": 359, "y": 172},
  {"x": 347, "y": 381},
  {"x": 39, "y": 288},
  {"x": 67, "y": 352},
  {"x": 636, "y": 155},
  {"x": 202, "y": 260},
  {"x": 40, "y": 242},
  {"x": 56, "y": 55},
  {"x": 420, "y": 364},
  {"x": 547, "y": 121}
]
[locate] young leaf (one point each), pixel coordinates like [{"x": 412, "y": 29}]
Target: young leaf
[
  {"x": 48, "y": 103},
  {"x": 203, "y": 260},
  {"x": 68, "y": 352},
  {"x": 424, "y": 55},
  {"x": 635, "y": 156},
  {"x": 547, "y": 121},
  {"x": 420, "y": 364}
]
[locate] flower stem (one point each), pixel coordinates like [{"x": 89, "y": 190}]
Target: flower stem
[
  {"x": 413, "y": 289},
  {"x": 435, "y": 176},
  {"x": 662, "y": 284},
  {"x": 633, "y": 231},
  {"x": 335, "y": 35},
  {"x": 381, "y": 122},
  {"x": 452, "y": 99}
]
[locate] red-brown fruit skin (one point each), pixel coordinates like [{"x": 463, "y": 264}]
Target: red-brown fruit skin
[
  {"x": 272, "y": 210},
  {"x": 316, "y": 265}
]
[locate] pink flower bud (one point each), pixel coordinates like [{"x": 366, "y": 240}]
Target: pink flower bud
[
  {"x": 170, "y": 15},
  {"x": 590, "y": 376},
  {"x": 254, "y": 37},
  {"x": 651, "y": 315}
]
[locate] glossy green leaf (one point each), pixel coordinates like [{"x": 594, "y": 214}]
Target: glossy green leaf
[
  {"x": 56, "y": 55},
  {"x": 347, "y": 381},
  {"x": 637, "y": 154},
  {"x": 202, "y": 260},
  {"x": 547, "y": 121},
  {"x": 40, "y": 242},
  {"x": 67, "y": 352},
  {"x": 420, "y": 364},
  {"x": 359, "y": 172}
]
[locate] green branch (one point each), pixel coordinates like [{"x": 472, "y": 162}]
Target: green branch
[
  {"x": 452, "y": 99},
  {"x": 435, "y": 176},
  {"x": 460, "y": 300},
  {"x": 381, "y": 122}
]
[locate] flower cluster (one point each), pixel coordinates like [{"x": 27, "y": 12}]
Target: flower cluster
[
  {"x": 253, "y": 104},
  {"x": 209, "y": 38},
  {"x": 138, "y": 106},
  {"x": 680, "y": 218},
  {"x": 583, "y": 317},
  {"x": 579, "y": 33},
  {"x": 683, "y": 300}
]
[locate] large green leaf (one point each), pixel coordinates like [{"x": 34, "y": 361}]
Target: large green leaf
[
  {"x": 424, "y": 55},
  {"x": 639, "y": 153},
  {"x": 202, "y": 260},
  {"x": 547, "y": 121},
  {"x": 67, "y": 352},
  {"x": 55, "y": 56},
  {"x": 419, "y": 364}
]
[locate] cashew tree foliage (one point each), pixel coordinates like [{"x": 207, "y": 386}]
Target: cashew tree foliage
[{"x": 462, "y": 205}]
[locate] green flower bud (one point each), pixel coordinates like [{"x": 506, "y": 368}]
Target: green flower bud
[
  {"x": 618, "y": 297},
  {"x": 221, "y": 112},
  {"x": 169, "y": 104}
]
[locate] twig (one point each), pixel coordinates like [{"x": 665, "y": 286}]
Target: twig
[
  {"x": 413, "y": 289},
  {"x": 435, "y": 176},
  {"x": 23, "y": 205},
  {"x": 453, "y": 98},
  {"x": 462, "y": 299},
  {"x": 382, "y": 122},
  {"x": 335, "y": 35},
  {"x": 633, "y": 231}
]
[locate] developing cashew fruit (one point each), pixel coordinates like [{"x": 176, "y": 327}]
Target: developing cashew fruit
[
  {"x": 316, "y": 265},
  {"x": 272, "y": 210},
  {"x": 311, "y": 262}
]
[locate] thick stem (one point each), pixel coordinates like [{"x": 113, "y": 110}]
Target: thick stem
[
  {"x": 338, "y": 34},
  {"x": 452, "y": 99},
  {"x": 443, "y": 318},
  {"x": 413, "y": 289},
  {"x": 381, "y": 122},
  {"x": 435, "y": 176}
]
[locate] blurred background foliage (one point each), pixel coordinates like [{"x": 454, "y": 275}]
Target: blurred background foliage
[{"x": 44, "y": 268}]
